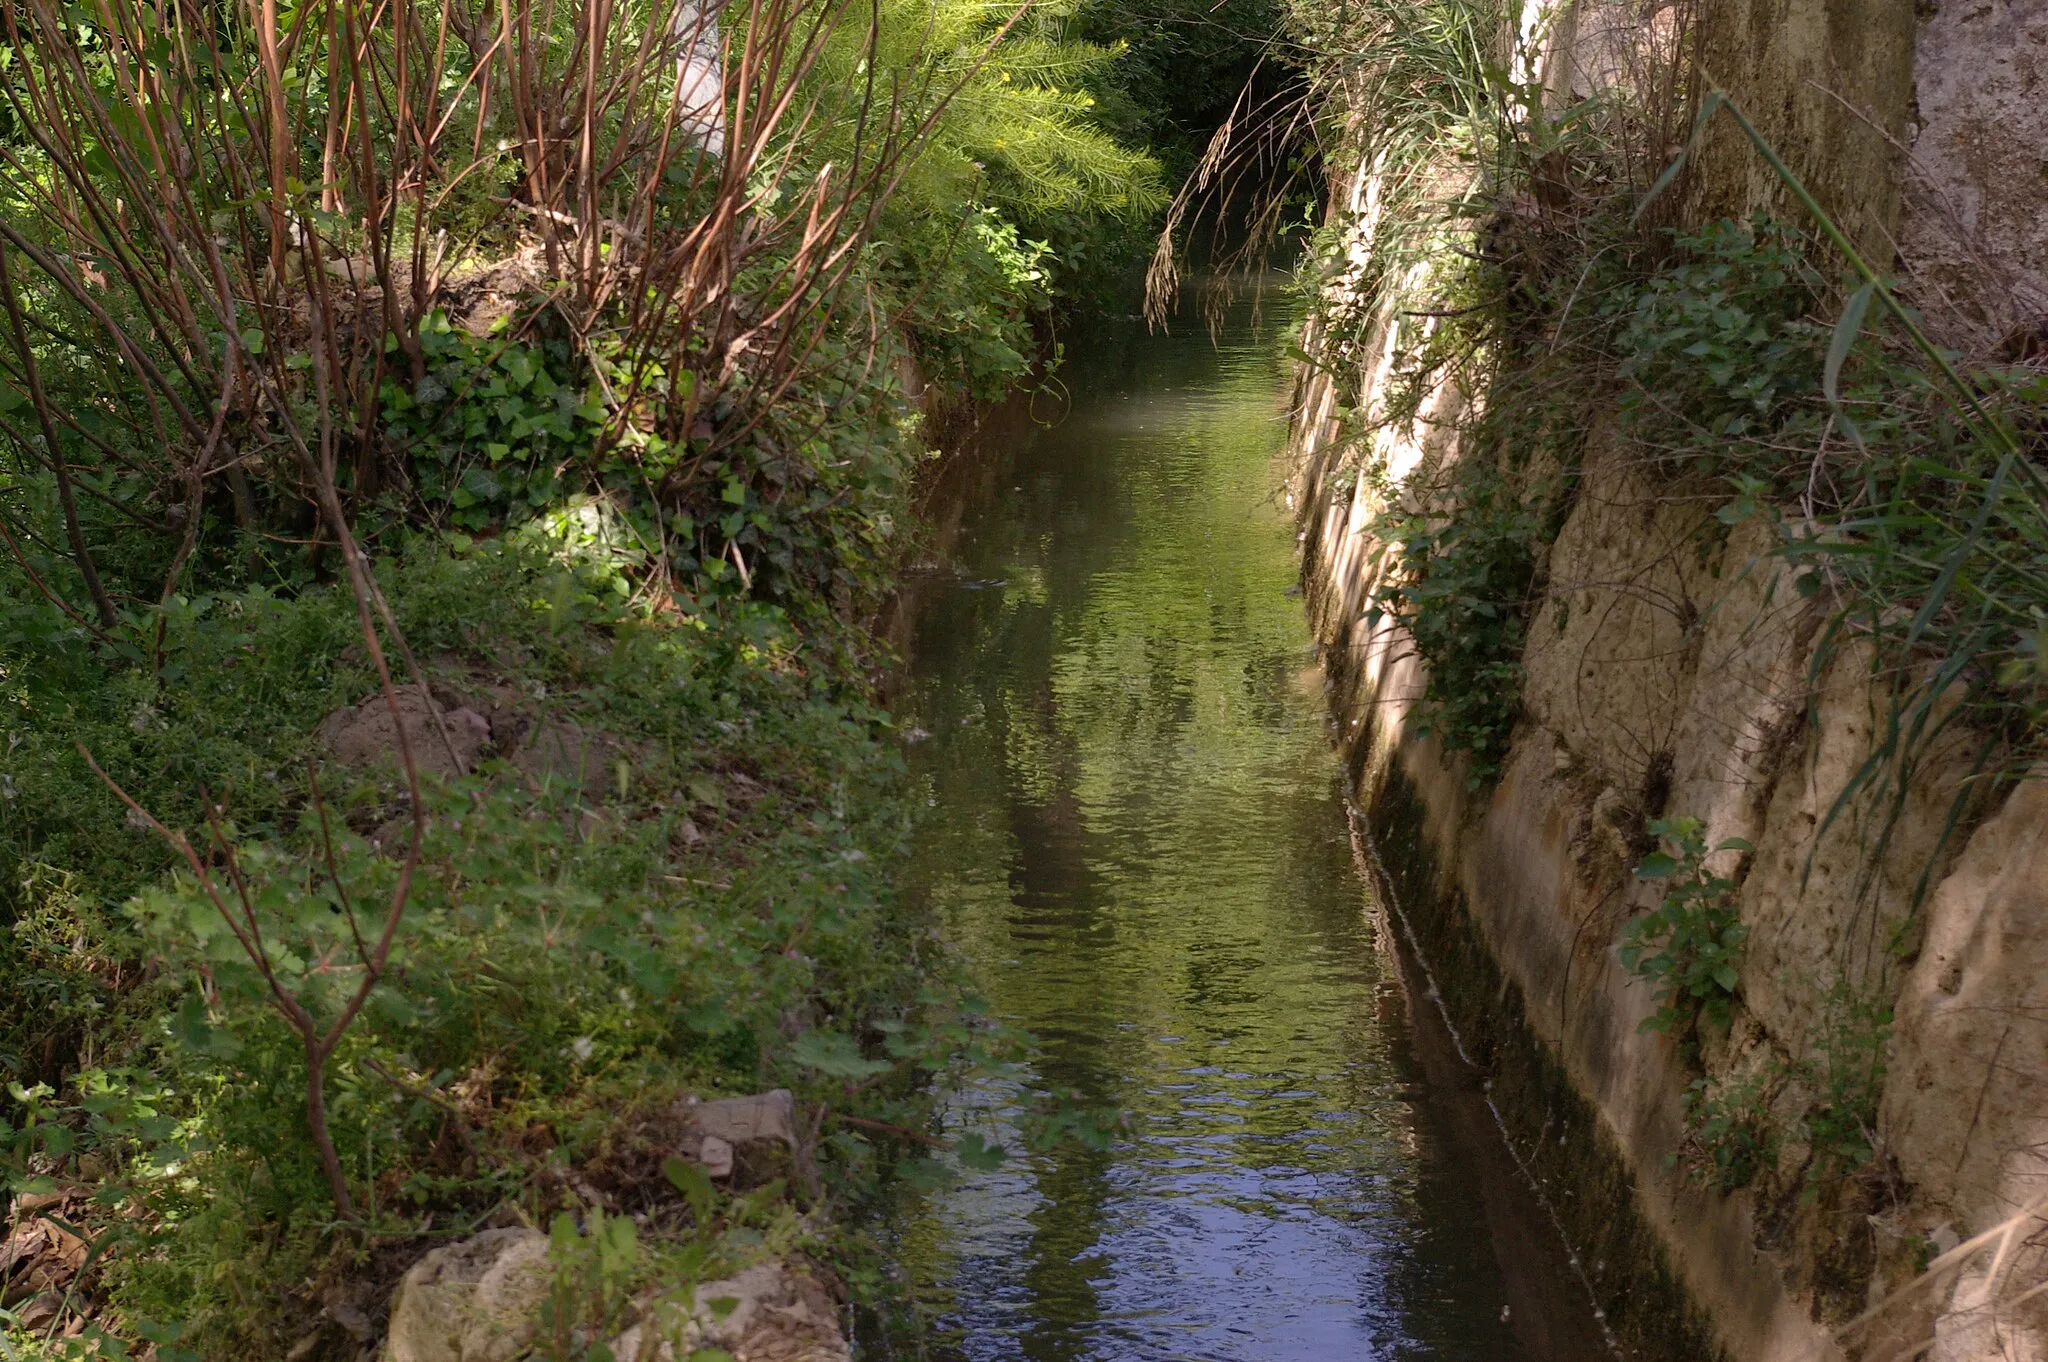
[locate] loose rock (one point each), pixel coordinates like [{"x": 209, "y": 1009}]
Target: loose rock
[
  {"x": 716, "y": 1156},
  {"x": 742, "y": 1120},
  {"x": 716, "y": 1131},
  {"x": 476, "y": 1301},
  {"x": 769, "y": 1313},
  {"x": 480, "y": 1301}
]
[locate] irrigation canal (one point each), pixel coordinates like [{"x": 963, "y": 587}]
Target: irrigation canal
[{"x": 1137, "y": 832}]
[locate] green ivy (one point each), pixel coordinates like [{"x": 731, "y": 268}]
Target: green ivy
[{"x": 493, "y": 425}]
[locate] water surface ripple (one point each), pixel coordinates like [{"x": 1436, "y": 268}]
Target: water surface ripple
[{"x": 1136, "y": 831}]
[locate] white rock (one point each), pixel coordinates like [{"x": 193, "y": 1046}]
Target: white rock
[
  {"x": 480, "y": 1301},
  {"x": 476, "y": 1301},
  {"x": 767, "y": 1313},
  {"x": 740, "y": 1120}
]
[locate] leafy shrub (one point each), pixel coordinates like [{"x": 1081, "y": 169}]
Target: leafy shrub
[
  {"x": 1690, "y": 945},
  {"x": 978, "y": 292},
  {"x": 1721, "y": 345}
]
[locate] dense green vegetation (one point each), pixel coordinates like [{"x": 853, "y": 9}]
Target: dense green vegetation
[
  {"x": 467, "y": 365},
  {"x": 1533, "y": 280}
]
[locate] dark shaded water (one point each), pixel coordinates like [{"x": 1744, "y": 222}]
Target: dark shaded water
[{"x": 1137, "y": 833}]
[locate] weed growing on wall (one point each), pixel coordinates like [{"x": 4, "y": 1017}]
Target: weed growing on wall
[
  {"x": 1921, "y": 539},
  {"x": 1462, "y": 591},
  {"x": 1846, "y": 1074},
  {"x": 1736, "y": 1127},
  {"x": 1720, "y": 347},
  {"x": 1688, "y": 947},
  {"x": 1730, "y": 1130},
  {"x": 1511, "y": 268},
  {"x": 1461, "y": 544}
]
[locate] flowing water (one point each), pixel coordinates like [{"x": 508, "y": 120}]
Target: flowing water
[{"x": 1137, "y": 834}]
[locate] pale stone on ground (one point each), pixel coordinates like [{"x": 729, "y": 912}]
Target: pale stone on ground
[
  {"x": 480, "y": 1301},
  {"x": 742, "y": 1120},
  {"x": 565, "y": 756},
  {"x": 476, "y": 1301},
  {"x": 716, "y": 1130},
  {"x": 774, "y": 1315}
]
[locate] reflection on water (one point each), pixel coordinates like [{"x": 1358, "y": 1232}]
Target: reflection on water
[{"x": 1136, "y": 832}]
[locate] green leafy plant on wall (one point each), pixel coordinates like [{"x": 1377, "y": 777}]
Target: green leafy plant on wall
[
  {"x": 1721, "y": 344},
  {"x": 1737, "y": 1125},
  {"x": 1689, "y": 947},
  {"x": 1461, "y": 590},
  {"x": 1847, "y": 1076},
  {"x": 1730, "y": 1137}
]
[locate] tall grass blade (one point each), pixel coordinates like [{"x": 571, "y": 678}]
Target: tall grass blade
[{"x": 1846, "y": 331}]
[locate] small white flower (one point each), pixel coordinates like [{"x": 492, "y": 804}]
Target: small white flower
[{"x": 583, "y": 1047}]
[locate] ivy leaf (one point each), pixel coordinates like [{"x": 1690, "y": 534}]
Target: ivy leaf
[
  {"x": 835, "y": 1055},
  {"x": 978, "y": 1154},
  {"x": 1657, "y": 866}
]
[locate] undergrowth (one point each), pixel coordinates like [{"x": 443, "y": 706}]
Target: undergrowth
[
  {"x": 595, "y": 449},
  {"x": 709, "y": 914}
]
